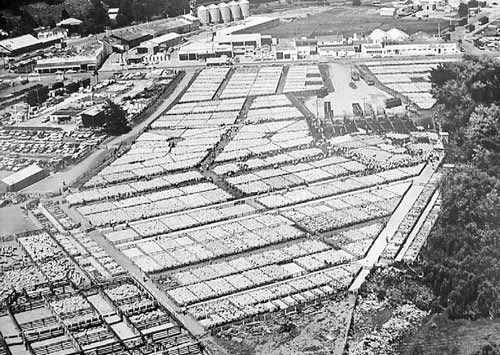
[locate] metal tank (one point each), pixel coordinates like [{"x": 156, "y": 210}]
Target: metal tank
[
  {"x": 203, "y": 15},
  {"x": 235, "y": 10},
  {"x": 225, "y": 12},
  {"x": 245, "y": 8},
  {"x": 214, "y": 13}
]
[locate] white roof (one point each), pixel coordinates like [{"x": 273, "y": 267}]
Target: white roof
[
  {"x": 377, "y": 35},
  {"x": 22, "y": 174},
  {"x": 247, "y": 23},
  {"x": 238, "y": 38},
  {"x": 397, "y": 35},
  {"x": 70, "y": 22},
  {"x": 12, "y": 44}
]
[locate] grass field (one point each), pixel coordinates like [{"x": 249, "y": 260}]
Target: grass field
[
  {"x": 13, "y": 220},
  {"x": 349, "y": 20}
]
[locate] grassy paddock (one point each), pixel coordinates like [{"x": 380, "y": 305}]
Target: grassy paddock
[{"x": 349, "y": 20}]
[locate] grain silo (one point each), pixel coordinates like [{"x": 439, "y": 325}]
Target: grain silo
[
  {"x": 225, "y": 12},
  {"x": 214, "y": 13},
  {"x": 203, "y": 15},
  {"x": 245, "y": 8},
  {"x": 235, "y": 10}
]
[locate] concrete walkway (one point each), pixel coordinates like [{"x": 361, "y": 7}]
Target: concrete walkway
[
  {"x": 418, "y": 225},
  {"x": 392, "y": 225}
]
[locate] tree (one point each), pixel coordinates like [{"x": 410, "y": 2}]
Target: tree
[
  {"x": 97, "y": 18},
  {"x": 125, "y": 14},
  {"x": 463, "y": 10},
  {"x": 473, "y": 4},
  {"x": 64, "y": 14},
  {"x": 115, "y": 120}
]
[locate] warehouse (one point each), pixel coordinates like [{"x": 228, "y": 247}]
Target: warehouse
[
  {"x": 132, "y": 39},
  {"x": 204, "y": 50},
  {"x": 160, "y": 43},
  {"x": 251, "y": 25},
  {"x": 243, "y": 43},
  {"x": 12, "y": 47},
  {"x": 23, "y": 178},
  {"x": 332, "y": 51},
  {"x": 88, "y": 58}
]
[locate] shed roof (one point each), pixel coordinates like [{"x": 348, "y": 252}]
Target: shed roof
[
  {"x": 22, "y": 175},
  {"x": 12, "y": 44}
]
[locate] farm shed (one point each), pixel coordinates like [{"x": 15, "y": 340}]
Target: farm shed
[{"x": 23, "y": 178}]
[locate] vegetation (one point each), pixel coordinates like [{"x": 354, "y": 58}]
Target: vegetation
[
  {"x": 21, "y": 17},
  {"x": 463, "y": 10},
  {"x": 463, "y": 252},
  {"x": 115, "y": 120}
]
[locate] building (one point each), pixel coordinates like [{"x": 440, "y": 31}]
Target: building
[
  {"x": 113, "y": 13},
  {"x": 23, "y": 178},
  {"x": 84, "y": 59},
  {"x": 132, "y": 39},
  {"x": 387, "y": 11},
  {"x": 71, "y": 24},
  {"x": 253, "y": 24},
  {"x": 331, "y": 40},
  {"x": 55, "y": 34},
  {"x": 415, "y": 46},
  {"x": 204, "y": 50},
  {"x": 286, "y": 50},
  {"x": 134, "y": 35},
  {"x": 92, "y": 117},
  {"x": 336, "y": 51},
  {"x": 306, "y": 47},
  {"x": 241, "y": 43},
  {"x": 12, "y": 47},
  {"x": 154, "y": 50},
  {"x": 160, "y": 43},
  {"x": 64, "y": 115}
]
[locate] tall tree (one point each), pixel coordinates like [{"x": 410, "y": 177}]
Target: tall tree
[
  {"x": 125, "y": 14},
  {"x": 463, "y": 10},
  {"x": 115, "y": 120}
]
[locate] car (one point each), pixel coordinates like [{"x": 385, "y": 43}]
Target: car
[{"x": 370, "y": 82}]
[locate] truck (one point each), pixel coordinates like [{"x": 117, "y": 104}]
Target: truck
[
  {"x": 470, "y": 28},
  {"x": 393, "y": 102},
  {"x": 483, "y": 20}
]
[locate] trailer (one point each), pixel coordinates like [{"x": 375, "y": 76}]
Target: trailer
[
  {"x": 483, "y": 20},
  {"x": 393, "y": 102},
  {"x": 470, "y": 28}
]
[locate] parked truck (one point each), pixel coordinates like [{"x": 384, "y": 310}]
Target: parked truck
[{"x": 483, "y": 20}]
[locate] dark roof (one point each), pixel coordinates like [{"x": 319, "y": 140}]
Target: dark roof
[{"x": 132, "y": 36}]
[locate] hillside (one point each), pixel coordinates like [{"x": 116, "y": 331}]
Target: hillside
[{"x": 20, "y": 17}]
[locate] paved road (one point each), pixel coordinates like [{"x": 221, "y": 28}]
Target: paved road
[{"x": 54, "y": 183}]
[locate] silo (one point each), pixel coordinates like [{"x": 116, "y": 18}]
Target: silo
[
  {"x": 203, "y": 15},
  {"x": 235, "y": 10},
  {"x": 214, "y": 13},
  {"x": 225, "y": 12},
  {"x": 245, "y": 8}
]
